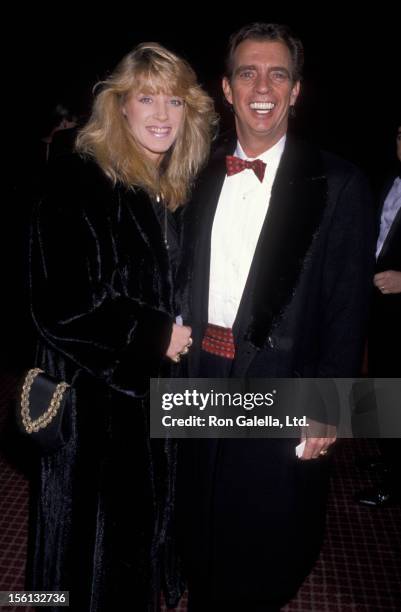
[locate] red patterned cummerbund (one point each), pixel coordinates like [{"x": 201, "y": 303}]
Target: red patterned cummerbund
[{"x": 219, "y": 341}]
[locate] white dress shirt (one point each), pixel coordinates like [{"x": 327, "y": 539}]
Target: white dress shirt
[{"x": 240, "y": 213}]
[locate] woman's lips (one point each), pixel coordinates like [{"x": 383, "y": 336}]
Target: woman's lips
[{"x": 159, "y": 132}]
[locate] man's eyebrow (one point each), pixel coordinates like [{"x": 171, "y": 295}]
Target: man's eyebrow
[
  {"x": 245, "y": 67},
  {"x": 281, "y": 68},
  {"x": 253, "y": 67}
]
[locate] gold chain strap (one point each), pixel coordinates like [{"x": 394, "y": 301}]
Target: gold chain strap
[{"x": 55, "y": 402}]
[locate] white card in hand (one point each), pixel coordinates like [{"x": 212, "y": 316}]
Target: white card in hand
[
  {"x": 179, "y": 320},
  {"x": 299, "y": 450}
]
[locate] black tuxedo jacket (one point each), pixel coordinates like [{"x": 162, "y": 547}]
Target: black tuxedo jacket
[
  {"x": 302, "y": 314},
  {"x": 306, "y": 299}
]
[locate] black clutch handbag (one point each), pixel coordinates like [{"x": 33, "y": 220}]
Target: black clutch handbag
[{"x": 45, "y": 410}]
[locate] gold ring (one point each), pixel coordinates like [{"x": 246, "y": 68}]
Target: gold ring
[
  {"x": 190, "y": 343},
  {"x": 185, "y": 350},
  {"x": 177, "y": 358},
  {"x": 323, "y": 452}
]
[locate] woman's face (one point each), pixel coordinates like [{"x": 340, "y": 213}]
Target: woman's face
[{"x": 154, "y": 121}]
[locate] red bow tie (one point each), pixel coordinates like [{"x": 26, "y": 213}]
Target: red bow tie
[{"x": 236, "y": 164}]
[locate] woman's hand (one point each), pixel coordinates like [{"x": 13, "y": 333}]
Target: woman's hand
[{"x": 180, "y": 342}]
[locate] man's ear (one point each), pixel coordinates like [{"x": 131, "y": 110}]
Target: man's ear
[
  {"x": 227, "y": 90},
  {"x": 295, "y": 93}
]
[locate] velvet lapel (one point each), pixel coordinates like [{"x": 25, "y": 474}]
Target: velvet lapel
[
  {"x": 147, "y": 224},
  {"x": 297, "y": 202},
  {"x": 195, "y": 256},
  {"x": 198, "y": 240}
]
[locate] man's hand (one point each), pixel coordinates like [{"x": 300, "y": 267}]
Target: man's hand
[
  {"x": 319, "y": 437},
  {"x": 180, "y": 342},
  {"x": 388, "y": 281}
]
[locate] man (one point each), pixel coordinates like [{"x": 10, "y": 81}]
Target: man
[
  {"x": 276, "y": 276},
  {"x": 385, "y": 328}
]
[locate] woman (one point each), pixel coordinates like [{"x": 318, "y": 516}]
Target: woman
[{"x": 103, "y": 254}]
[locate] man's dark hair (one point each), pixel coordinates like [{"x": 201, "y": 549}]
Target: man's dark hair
[{"x": 267, "y": 32}]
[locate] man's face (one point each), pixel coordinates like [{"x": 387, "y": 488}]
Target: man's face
[
  {"x": 261, "y": 91},
  {"x": 399, "y": 142}
]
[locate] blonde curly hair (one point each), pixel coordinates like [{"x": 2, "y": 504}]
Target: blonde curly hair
[{"x": 150, "y": 68}]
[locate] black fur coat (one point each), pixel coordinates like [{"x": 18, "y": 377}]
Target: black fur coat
[{"x": 102, "y": 302}]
